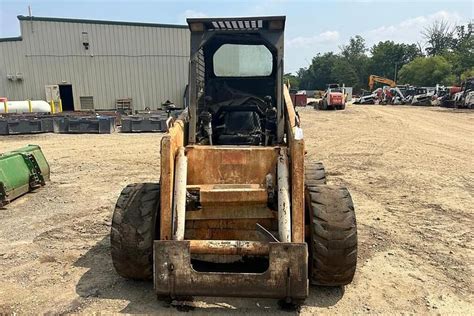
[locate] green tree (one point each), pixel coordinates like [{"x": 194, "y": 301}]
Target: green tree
[
  {"x": 439, "y": 37},
  {"x": 305, "y": 79},
  {"x": 350, "y": 67},
  {"x": 450, "y": 58},
  {"x": 292, "y": 79},
  {"x": 355, "y": 55},
  {"x": 461, "y": 55},
  {"x": 467, "y": 74},
  {"x": 319, "y": 73},
  {"x": 427, "y": 71},
  {"x": 355, "y": 49},
  {"x": 344, "y": 73},
  {"x": 389, "y": 57}
]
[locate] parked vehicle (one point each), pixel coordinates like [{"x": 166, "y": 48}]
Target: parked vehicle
[
  {"x": 465, "y": 97},
  {"x": 333, "y": 98},
  {"x": 237, "y": 207}
]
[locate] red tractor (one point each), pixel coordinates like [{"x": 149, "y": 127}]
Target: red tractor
[{"x": 333, "y": 98}]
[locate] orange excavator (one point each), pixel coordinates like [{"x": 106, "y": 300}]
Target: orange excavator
[{"x": 373, "y": 79}]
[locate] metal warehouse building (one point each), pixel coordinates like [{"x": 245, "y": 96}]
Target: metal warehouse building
[{"x": 93, "y": 63}]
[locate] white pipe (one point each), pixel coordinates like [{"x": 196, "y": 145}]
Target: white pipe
[
  {"x": 284, "y": 213},
  {"x": 37, "y": 106},
  {"x": 179, "y": 201}
]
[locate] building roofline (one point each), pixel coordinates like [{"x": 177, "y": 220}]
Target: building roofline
[
  {"x": 11, "y": 39},
  {"x": 107, "y": 22}
]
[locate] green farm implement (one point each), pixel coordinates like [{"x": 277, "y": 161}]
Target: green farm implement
[{"x": 22, "y": 171}]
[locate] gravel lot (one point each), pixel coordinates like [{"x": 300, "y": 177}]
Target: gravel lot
[{"x": 410, "y": 171}]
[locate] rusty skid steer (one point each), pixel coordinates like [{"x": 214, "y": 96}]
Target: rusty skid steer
[{"x": 238, "y": 211}]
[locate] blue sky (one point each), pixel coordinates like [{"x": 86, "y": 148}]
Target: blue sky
[{"x": 312, "y": 26}]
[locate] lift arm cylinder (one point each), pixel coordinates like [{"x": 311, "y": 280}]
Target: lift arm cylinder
[
  {"x": 179, "y": 201},
  {"x": 284, "y": 213}
]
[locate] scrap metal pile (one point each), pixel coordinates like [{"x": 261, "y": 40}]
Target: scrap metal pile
[{"x": 455, "y": 97}]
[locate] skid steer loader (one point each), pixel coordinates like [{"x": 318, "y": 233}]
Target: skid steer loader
[
  {"x": 238, "y": 211},
  {"x": 333, "y": 98}
]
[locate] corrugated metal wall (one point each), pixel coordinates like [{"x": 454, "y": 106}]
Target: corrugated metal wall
[{"x": 147, "y": 63}]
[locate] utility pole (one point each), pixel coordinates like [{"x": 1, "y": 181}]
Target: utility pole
[{"x": 395, "y": 75}]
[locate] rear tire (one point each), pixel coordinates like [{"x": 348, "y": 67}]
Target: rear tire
[
  {"x": 134, "y": 225},
  {"x": 333, "y": 235},
  {"x": 315, "y": 174}
]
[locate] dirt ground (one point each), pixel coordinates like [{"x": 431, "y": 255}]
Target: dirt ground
[{"x": 410, "y": 171}]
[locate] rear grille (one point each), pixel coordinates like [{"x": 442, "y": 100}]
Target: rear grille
[{"x": 236, "y": 25}]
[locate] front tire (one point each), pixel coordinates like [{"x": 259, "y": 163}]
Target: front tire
[
  {"x": 323, "y": 105},
  {"x": 134, "y": 225},
  {"x": 333, "y": 235}
]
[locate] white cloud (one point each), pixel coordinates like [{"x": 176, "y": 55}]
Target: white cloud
[
  {"x": 409, "y": 30},
  {"x": 195, "y": 14},
  {"x": 306, "y": 41},
  {"x": 191, "y": 14}
]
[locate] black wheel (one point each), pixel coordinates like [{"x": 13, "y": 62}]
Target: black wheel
[
  {"x": 325, "y": 105},
  {"x": 314, "y": 174},
  {"x": 322, "y": 105},
  {"x": 134, "y": 225},
  {"x": 333, "y": 248},
  {"x": 342, "y": 106}
]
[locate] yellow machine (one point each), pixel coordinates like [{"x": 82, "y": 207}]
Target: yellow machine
[
  {"x": 373, "y": 79},
  {"x": 238, "y": 211}
]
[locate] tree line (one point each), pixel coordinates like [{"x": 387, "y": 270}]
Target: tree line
[{"x": 445, "y": 57}]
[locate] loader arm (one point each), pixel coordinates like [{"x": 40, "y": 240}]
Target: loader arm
[
  {"x": 373, "y": 79},
  {"x": 296, "y": 145},
  {"x": 170, "y": 144},
  {"x": 230, "y": 181}
]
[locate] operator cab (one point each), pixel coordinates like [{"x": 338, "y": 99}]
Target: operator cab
[
  {"x": 333, "y": 87},
  {"x": 236, "y": 67}
]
